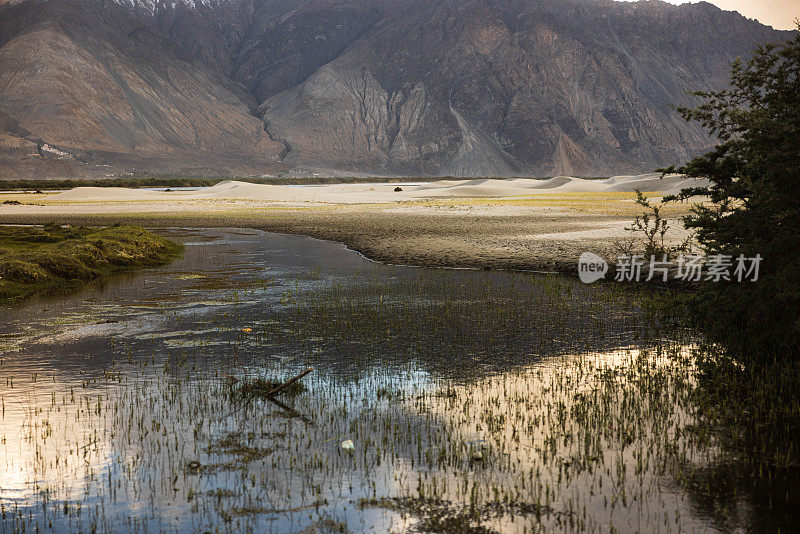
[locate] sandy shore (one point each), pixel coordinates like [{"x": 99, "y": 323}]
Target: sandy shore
[{"x": 512, "y": 224}]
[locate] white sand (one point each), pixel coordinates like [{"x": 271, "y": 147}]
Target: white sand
[
  {"x": 526, "y": 223},
  {"x": 383, "y": 193}
]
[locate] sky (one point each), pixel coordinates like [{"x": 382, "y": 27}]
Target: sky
[{"x": 779, "y": 14}]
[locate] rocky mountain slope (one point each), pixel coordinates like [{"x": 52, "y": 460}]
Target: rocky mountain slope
[{"x": 452, "y": 87}]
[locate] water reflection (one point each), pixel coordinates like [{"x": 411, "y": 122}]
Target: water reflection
[{"x": 510, "y": 401}]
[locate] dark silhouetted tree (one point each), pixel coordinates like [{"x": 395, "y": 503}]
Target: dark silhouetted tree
[{"x": 754, "y": 207}]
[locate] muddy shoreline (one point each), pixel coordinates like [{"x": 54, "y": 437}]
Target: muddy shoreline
[{"x": 461, "y": 241}]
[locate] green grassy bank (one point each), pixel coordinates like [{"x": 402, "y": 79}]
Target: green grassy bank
[{"x": 37, "y": 260}]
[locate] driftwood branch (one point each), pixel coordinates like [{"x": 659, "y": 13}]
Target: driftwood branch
[{"x": 289, "y": 382}]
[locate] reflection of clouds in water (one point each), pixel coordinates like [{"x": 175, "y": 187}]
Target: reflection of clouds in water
[
  {"x": 549, "y": 429},
  {"x": 510, "y": 413},
  {"x": 144, "y": 323},
  {"x": 161, "y": 375},
  {"x": 48, "y": 444}
]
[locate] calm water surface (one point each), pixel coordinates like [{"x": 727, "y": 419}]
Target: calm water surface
[{"x": 510, "y": 402}]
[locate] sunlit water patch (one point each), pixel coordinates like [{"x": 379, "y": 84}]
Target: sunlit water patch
[{"x": 474, "y": 400}]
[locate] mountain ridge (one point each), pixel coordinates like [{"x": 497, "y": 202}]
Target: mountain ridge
[{"x": 464, "y": 87}]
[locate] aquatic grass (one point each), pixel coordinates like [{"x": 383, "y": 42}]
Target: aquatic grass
[
  {"x": 250, "y": 388},
  {"x": 585, "y": 416},
  {"x": 436, "y": 515}
]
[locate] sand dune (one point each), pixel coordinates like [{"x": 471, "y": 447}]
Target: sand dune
[
  {"x": 382, "y": 193},
  {"x": 392, "y": 226}
]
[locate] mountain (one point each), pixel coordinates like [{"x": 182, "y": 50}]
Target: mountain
[
  {"x": 452, "y": 87},
  {"x": 107, "y": 86}
]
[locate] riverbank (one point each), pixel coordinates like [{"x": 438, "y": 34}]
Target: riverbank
[
  {"x": 38, "y": 260},
  {"x": 486, "y": 224}
]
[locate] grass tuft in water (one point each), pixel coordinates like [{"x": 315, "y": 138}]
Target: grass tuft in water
[
  {"x": 35, "y": 260},
  {"x": 261, "y": 387},
  {"x": 439, "y": 515}
]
